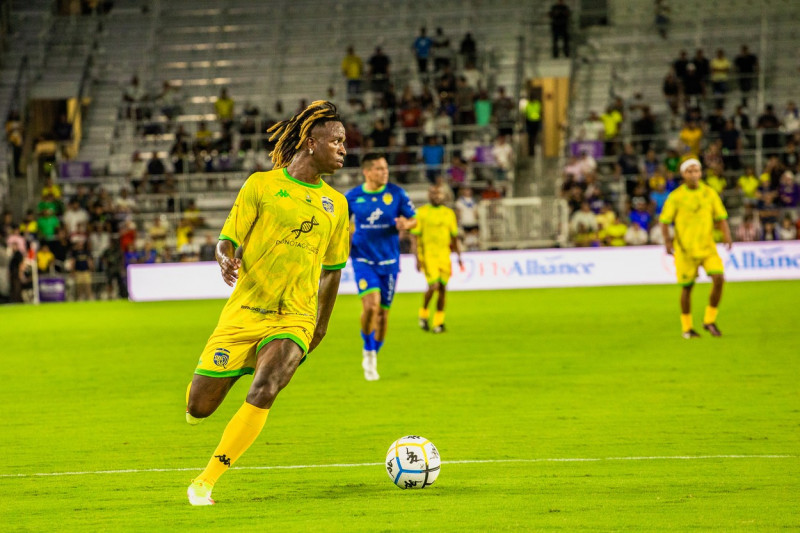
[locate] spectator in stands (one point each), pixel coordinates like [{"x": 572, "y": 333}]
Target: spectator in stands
[
  {"x": 170, "y": 101},
  {"x": 490, "y": 192},
  {"x": 62, "y": 131},
  {"x": 473, "y": 77},
  {"x": 433, "y": 157},
  {"x": 702, "y": 64},
  {"x": 353, "y": 70},
  {"x": 51, "y": 188},
  {"x": 662, "y": 12},
  {"x": 73, "y": 216},
  {"x": 411, "y": 120},
  {"x": 627, "y": 166},
  {"x": 189, "y": 251},
  {"x": 769, "y": 125},
  {"x": 611, "y": 119},
  {"x": 379, "y": 65},
  {"x": 483, "y": 109},
  {"x": 446, "y": 84},
  {"x": 747, "y": 231},
  {"x": 155, "y": 172},
  {"x": 716, "y": 121},
  {"x": 441, "y": 50},
  {"x": 503, "y": 112},
  {"x": 787, "y": 230},
  {"x": 135, "y": 98},
  {"x": 533, "y": 118},
  {"x": 224, "y": 108},
  {"x": 422, "y": 50},
  {"x": 47, "y": 224},
  {"x": 680, "y": 65},
  {"x": 715, "y": 180},
  {"x": 614, "y": 233},
  {"x": 583, "y": 226},
  {"x": 124, "y": 204},
  {"x": 748, "y": 184},
  {"x": 14, "y": 132},
  {"x": 746, "y": 68},
  {"x": 690, "y": 139},
  {"x": 99, "y": 240},
  {"x": 791, "y": 155},
  {"x": 137, "y": 175},
  {"x": 712, "y": 157},
  {"x": 644, "y": 128},
  {"x": 640, "y": 216},
  {"x": 694, "y": 85},
  {"x": 458, "y": 172},
  {"x": 731, "y": 140},
  {"x": 741, "y": 119},
  {"x": 503, "y": 156},
  {"x": 559, "y": 26},
  {"x": 720, "y": 72},
  {"x": 81, "y": 268},
  {"x": 465, "y": 103},
  {"x": 466, "y": 208},
  {"x": 671, "y": 89},
  {"x": 788, "y": 191},
  {"x": 635, "y": 235},
  {"x": 48, "y": 202},
  {"x": 149, "y": 254},
  {"x": 380, "y": 134},
  {"x": 443, "y": 126},
  {"x": 208, "y": 249},
  {"x": 468, "y": 49},
  {"x": 790, "y": 121}
]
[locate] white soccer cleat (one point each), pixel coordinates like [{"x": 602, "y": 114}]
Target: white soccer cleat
[
  {"x": 200, "y": 494},
  {"x": 370, "y": 365}
]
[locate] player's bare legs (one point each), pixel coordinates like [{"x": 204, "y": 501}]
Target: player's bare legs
[
  {"x": 277, "y": 362},
  {"x": 710, "y": 319},
  {"x": 371, "y": 305},
  {"x": 206, "y": 394},
  {"x": 686, "y": 313}
]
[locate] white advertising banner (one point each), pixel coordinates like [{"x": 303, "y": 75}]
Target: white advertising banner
[{"x": 517, "y": 269}]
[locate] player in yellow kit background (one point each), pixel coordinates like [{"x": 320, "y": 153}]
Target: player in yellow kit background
[
  {"x": 436, "y": 235},
  {"x": 283, "y": 247},
  {"x": 694, "y": 208}
]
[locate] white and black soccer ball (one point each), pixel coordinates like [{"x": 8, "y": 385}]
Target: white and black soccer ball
[{"x": 413, "y": 462}]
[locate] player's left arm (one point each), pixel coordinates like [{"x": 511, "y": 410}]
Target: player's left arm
[
  {"x": 328, "y": 289},
  {"x": 455, "y": 242},
  {"x": 721, "y": 221}
]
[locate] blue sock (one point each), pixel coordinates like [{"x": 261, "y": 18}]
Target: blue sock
[
  {"x": 378, "y": 345},
  {"x": 369, "y": 340}
]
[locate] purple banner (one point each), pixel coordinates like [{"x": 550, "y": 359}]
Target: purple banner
[
  {"x": 593, "y": 148},
  {"x": 51, "y": 290},
  {"x": 75, "y": 169}
]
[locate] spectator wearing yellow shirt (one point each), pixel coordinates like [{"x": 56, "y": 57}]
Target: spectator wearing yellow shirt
[
  {"x": 45, "y": 259},
  {"x": 690, "y": 138},
  {"x": 224, "y": 109},
  {"x": 51, "y": 188},
  {"x": 352, "y": 69},
  {"x": 614, "y": 234},
  {"x": 612, "y": 118},
  {"x": 192, "y": 215},
  {"x": 748, "y": 184},
  {"x": 605, "y": 217},
  {"x": 202, "y": 137},
  {"x": 715, "y": 181},
  {"x": 720, "y": 70},
  {"x": 182, "y": 233}
]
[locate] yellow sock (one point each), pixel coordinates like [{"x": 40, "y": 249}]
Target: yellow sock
[
  {"x": 240, "y": 433},
  {"x": 438, "y": 318},
  {"x": 686, "y": 322},
  {"x": 424, "y": 313},
  {"x": 711, "y": 315}
]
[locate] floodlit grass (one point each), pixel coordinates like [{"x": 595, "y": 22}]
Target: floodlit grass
[{"x": 523, "y": 378}]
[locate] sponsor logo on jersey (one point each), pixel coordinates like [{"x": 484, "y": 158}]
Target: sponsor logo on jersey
[
  {"x": 327, "y": 204},
  {"x": 305, "y": 227},
  {"x": 374, "y": 216}
]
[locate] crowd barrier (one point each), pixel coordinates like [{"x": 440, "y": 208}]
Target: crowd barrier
[{"x": 518, "y": 269}]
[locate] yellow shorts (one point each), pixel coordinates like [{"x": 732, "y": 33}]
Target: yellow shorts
[
  {"x": 232, "y": 350},
  {"x": 686, "y": 267},
  {"x": 437, "y": 269}
]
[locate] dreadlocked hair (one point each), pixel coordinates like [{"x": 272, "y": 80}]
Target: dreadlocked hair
[{"x": 292, "y": 133}]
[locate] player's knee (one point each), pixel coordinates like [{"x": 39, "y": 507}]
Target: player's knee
[{"x": 200, "y": 409}]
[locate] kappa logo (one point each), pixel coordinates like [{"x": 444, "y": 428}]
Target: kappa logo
[
  {"x": 221, "y": 357},
  {"x": 375, "y": 215},
  {"x": 360, "y": 200},
  {"x": 282, "y": 193},
  {"x": 327, "y": 204},
  {"x": 305, "y": 227}
]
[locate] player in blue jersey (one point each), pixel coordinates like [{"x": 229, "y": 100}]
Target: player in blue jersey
[{"x": 378, "y": 211}]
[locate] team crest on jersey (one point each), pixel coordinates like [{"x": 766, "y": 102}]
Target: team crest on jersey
[
  {"x": 327, "y": 204},
  {"x": 221, "y": 356},
  {"x": 387, "y": 198}
]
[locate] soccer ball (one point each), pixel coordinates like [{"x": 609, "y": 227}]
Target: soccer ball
[{"x": 413, "y": 462}]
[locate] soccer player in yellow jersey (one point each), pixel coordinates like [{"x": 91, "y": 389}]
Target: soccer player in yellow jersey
[
  {"x": 694, "y": 208},
  {"x": 436, "y": 235},
  {"x": 283, "y": 247}
]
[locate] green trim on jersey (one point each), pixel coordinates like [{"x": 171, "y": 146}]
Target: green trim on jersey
[
  {"x": 225, "y": 373},
  {"x": 303, "y": 183},
  {"x": 226, "y": 238},
  {"x": 365, "y": 191},
  {"x": 289, "y": 336},
  {"x": 334, "y": 267},
  {"x": 723, "y": 217}
]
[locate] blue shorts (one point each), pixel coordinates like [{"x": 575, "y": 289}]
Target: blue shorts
[{"x": 368, "y": 280}]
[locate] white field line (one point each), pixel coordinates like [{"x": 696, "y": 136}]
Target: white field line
[{"x": 462, "y": 462}]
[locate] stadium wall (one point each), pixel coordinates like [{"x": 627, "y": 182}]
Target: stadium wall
[{"x": 518, "y": 269}]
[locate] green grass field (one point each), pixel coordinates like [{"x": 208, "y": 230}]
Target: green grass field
[{"x": 577, "y": 409}]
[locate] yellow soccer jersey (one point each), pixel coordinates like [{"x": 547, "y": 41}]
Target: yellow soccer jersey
[
  {"x": 289, "y": 231},
  {"x": 435, "y": 227},
  {"x": 694, "y": 212}
]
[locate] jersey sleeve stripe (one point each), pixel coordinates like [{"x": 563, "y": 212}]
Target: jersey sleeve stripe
[
  {"x": 334, "y": 267},
  {"x": 226, "y": 238},
  {"x": 721, "y": 217}
]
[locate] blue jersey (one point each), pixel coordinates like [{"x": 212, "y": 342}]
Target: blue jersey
[{"x": 375, "y": 238}]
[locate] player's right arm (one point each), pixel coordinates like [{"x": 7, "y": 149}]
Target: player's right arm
[
  {"x": 666, "y": 219},
  {"x": 243, "y": 215}
]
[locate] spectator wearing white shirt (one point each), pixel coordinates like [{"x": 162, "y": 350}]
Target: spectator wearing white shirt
[
  {"x": 73, "y": 216},
  {"x": 592, "y": 128},
  {"x": 466, "y": 209},
  {"x": 503, "y": 155},
  {"x": 636, "y": 235}
]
